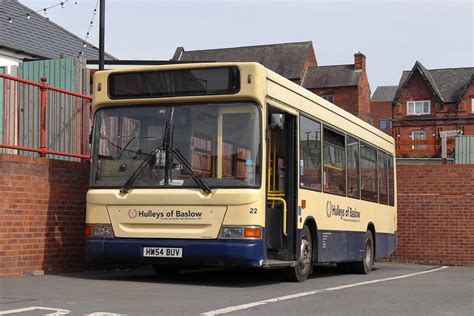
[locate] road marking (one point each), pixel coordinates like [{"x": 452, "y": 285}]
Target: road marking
[
  {"x": 104, "y": 314},
  {"x": 298, "y": 295},
  {"x": 56, "y": 311}
]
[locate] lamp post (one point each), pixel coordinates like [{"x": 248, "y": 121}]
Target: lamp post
[{"x": 101, "y": 34}]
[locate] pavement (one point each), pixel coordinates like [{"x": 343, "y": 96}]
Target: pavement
[{"x": 391, "y": 289}]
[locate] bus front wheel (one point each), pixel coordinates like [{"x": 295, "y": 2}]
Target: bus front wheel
[{"x": 301, "y": 271}]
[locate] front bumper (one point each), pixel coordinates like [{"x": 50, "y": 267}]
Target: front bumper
[{"x": 202, "y": 252}]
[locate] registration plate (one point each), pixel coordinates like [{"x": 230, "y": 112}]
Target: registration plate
[{"x": 162, "y": 252}]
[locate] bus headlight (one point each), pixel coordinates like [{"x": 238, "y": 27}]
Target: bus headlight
[
  {"x": 240, "y": 232},
  {"x": 102, "y": 230}
]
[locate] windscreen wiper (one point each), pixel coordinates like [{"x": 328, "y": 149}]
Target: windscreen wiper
[
  {"x": 127, "y": 185},
  {"x": 179, "y": 156},
  {"x": 170, "y": 152},
  {"x": 175, "y": 153}
]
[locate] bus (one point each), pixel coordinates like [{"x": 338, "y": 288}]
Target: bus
[{"x": 231, "y": 164}]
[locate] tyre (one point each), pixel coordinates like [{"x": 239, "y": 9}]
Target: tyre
[
  {"x": 166, "y": 269},
  {"x": 301, "y": 271},
  {"x": 366, "y": 265}
]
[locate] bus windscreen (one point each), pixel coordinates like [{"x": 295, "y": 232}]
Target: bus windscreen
[{"x": 172, "y": 83}]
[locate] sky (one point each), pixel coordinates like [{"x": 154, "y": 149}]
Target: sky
[{"x": 392, "y": 34}]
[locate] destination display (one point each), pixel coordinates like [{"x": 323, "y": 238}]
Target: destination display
[{"x": 174, "y": 83}]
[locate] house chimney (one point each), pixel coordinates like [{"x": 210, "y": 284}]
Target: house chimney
[
  {"x": 177, "y": 54},
  {"x": 359, "y": 61}
]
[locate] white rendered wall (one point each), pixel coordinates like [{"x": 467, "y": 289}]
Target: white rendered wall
[{"x": 9, "y": 58}]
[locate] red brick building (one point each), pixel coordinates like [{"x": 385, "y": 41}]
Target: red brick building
[
  {"x": 429, "y": 101},
  {"x": 346, "y": 86},
  {"x": 381, "y": 108}
]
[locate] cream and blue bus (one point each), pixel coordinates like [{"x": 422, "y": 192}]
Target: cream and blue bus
[{"x": 231, "y": 164}]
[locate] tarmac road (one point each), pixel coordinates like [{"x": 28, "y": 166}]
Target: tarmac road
[{"x": 391, "y": 289}]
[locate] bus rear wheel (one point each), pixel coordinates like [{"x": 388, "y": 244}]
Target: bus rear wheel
[
  {"x": 301, "y": 271},
  {"x": 365, "y": 266}
]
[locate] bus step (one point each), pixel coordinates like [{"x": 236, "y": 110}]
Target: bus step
[{"x": 271, "y": 264}]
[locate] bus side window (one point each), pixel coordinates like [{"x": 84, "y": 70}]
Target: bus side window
[
  {"x": 334, "y": 162},
  {"x": 353, "y": 174},
  {"x": 368, "y": 166},
  {"x": 382, "y": 172},
  {"x": 310, "y": 154}
]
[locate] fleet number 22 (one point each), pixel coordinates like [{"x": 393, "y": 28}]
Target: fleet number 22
[{"x": 253, "y": 210}]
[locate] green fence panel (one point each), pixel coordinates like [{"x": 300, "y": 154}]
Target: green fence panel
[{"x": 60, "y": 119}]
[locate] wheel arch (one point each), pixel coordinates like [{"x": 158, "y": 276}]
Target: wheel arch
[
  {"x": 313, "y": 228},
  {"x": 371, "y": 228}
]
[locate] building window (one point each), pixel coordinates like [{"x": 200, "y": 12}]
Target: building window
[
  {"x": 418, "y": 135},
  {"x": 418, "y": 107},
  {"x": 310, "y": 154},
  {"x": 328, "y": 97},
  {"x": 383, "y": 124},
  {"x": 472, "y": 105}
]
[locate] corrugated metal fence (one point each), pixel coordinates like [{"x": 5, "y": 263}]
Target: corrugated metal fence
[{"x": 464, "y": 153}]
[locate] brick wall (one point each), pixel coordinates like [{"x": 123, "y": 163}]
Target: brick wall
[
  {"x": 363, "y": 97},
  {"x": 465, "y": 105},
  {"x": 436, "y": 214},
  {"x": 310, "y": 60},
  {"x": 344, "y": 97},
  {"x": 42, "y": 214},
  {"x": 381, "y": 110}
]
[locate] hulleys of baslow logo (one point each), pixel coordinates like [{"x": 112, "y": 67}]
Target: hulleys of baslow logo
[
  {"x": 346, "y": 214},
  {"x": 165, "y": 215},
  {"x": 132, "y": 213}
]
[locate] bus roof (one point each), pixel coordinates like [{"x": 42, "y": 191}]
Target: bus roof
[
  {"x": 317, "y": 100},
  {"x": 304, "y": 94}
]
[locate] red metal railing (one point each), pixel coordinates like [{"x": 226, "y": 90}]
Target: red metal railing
[{"x": 37, "y": 118}]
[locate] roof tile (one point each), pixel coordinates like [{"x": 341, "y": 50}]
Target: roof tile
[
  {"x": 331, "y": 77},
  {"x": 448, "y": 83},
  {"x": 286, "y": 59},
  {"x": 384, "y": 93},
  {"x": 38, "y": 36}
]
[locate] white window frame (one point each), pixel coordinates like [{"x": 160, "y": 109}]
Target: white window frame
[
  {"x": 472, "y": 105},
  {"x": 420, "y": 133},
  {"x": 418, "y": 146},
  {"x": 414, "y": 103}
]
